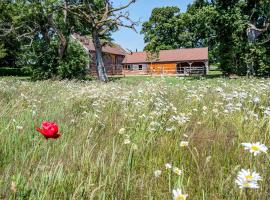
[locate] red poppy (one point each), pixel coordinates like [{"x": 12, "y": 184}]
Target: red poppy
[{"x": 49, "y": 130}]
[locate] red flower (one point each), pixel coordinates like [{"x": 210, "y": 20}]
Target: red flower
[{"x": 49, "y": 130}]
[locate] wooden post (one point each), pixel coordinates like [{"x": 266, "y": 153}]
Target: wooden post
[
  {"x": 190, "y": 63},
  {"x": 207, "y": 67}
]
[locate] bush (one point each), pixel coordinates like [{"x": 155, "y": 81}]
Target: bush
[
  {"x": 75, "y": 63},
  {"x": 42, "y": 57},
  {"x": 45, "y": 62}
]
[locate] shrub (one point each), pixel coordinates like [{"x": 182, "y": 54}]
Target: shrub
[
  {"x": 45, "y": 62},
  {"x": 75, "y": 62},
  {"x": 42, "y": 57}
]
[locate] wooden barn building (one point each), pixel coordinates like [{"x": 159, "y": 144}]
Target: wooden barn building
[
  {"x": 113, "y": 55},
  {"x": 177, "y": 61},
  {"x": 172, "y": 62}
]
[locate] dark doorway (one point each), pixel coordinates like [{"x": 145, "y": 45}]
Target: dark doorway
[{"x": 181, "y": 68}]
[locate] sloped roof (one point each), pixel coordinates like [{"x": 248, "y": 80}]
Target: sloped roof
[
  {"x": 176, "y": 55},
  {"x": 88, "y": 44}
]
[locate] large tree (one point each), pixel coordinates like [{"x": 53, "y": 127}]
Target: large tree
[
  {"x": 160, "y": 31},
  {"x": 100, "y": 17},
  {"x": 42, "y": 30},
  {"x": 167, "y": 28}
]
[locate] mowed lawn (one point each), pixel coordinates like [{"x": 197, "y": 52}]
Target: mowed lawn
[{"x": 127, "y": 139}]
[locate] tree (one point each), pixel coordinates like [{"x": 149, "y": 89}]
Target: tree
[
  {"x": 8, "y": 12},
  {"x": 152, "y": 56},
  {"x": 229, "y": 27},
  {"x": 167, "y": 28},
  {"x": 100, "y": 18},
  {"x": 159, "y": 32},
  {"x": 43, "y": 30},
  {"x": 2, "y": 51},
  {"x": 258, "y": 12}
]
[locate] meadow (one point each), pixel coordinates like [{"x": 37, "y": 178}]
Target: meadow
[{"x": 133, "y": 138}]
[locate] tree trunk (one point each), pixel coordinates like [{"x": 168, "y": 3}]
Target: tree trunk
[
  {"x": 63, "y": 43},
  {"x": 252, "y": 34},
  {"x": 62, "y": 46},
  {"x": 101, "y": 71}
]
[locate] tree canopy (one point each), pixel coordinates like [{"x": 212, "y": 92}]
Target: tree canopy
[{"x": 220, "y": 25}]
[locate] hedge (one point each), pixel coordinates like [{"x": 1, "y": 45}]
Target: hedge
[{"x": 8, "y": 71}]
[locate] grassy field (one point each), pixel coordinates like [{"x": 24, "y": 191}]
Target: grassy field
[{"x": 118, "y": 138}]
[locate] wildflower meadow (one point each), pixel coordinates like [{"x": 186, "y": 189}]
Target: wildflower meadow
[{"x": 145, "y": 138}]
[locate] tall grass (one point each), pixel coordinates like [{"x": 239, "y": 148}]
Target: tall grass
[{"x": 116, "y": 135}]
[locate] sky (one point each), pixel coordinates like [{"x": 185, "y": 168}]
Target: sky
[{"x": 141, "y": 11}]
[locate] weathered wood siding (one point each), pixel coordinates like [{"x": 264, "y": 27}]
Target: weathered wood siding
[
  {"x": 113, "y": 63},
  {"x": 162, "y": 68}
]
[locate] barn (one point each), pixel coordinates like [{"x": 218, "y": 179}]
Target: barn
[
  {"x": 177, "y": 61},
  {"x": 113, "y": 55},
  {"x": 172, "y": 62}
]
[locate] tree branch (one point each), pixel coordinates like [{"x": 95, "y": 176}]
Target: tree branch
[
  {"x": 252, "y": 26},
  {"x": 121, "y": 7},
  {"x": 106, "y": 13},
  {"x": 78, "y": 12}
]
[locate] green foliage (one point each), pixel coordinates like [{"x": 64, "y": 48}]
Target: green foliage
[
  {"x": 75, "y": 63},
  {"x": 219, "y": 25},
  {"x": 42, "y": 30},
  {"x": 2, "y": 51},
  {"x": 167, "y": 28},
  {"x": 43, "y": 59},
  {"x": 8, "y": 71},
  {"x": 159, "y": 32},
  {"x": 45, "y": 62},
  {"x": 9, "y": 45}
]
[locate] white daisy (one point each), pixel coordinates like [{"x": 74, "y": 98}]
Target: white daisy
[
  {"x": 256, "y": 100},
  {"x": 168, "y": 166},
  {"x": 178, "y": 195},
  {"x": 247, "y": 179},
  {"x": 127, "y": 141},
  {"x": 122, "y": 131},
  {"x": 183, "y": 144},
  {"x": 255, "y": 148},
  {"x": 177, "y": 171},
  {"x": 19, "y": 127},
  {"x": 157, "y": 173}
]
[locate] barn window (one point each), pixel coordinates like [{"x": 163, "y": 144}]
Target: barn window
[
  {"x": 129, "y": 67},
  {"x": 140, "y": 67}
]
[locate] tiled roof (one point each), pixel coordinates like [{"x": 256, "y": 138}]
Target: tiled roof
[
  {"x": 88, "y": 43},
  {"x": 176, "y": 55}
]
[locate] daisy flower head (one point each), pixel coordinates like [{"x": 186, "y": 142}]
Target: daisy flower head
[
  {"x": 127, "y": 141},
  {"x": 183, "y": 144},
  {"x": 122, "y": 131},
  {"x": 157, "y": 173},
  {"x": 178, "y": 195},
  {"x": 177, "y": 171},
  {"x": 168, "y": 165},
  {"x": 247, "y": 179},
  {"x": 255, "y": 148}
]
